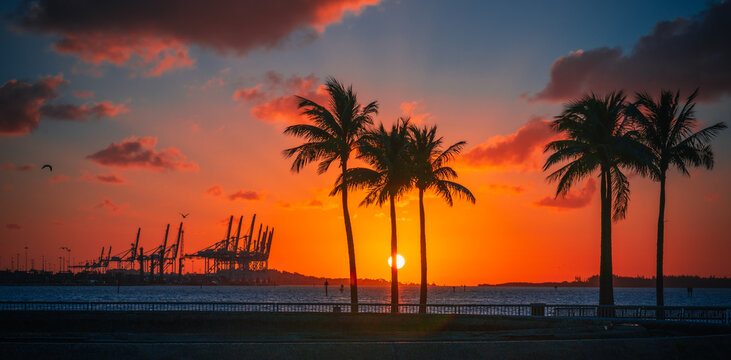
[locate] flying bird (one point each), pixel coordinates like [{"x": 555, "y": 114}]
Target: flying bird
[
  {"x": 184, "y": 215},
  {"x": 50, "y": 168}
]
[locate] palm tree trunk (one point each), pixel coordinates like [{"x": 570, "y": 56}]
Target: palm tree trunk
[
  {"x": 351, "y": 246},
  {"x": 606, "y": 291},
  {"x": 394, "y": 261},
  {"x": 422, "y": 243},
  {"x": 660, "y": 250}
]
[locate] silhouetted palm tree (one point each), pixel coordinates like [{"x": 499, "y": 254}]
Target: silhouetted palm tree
[
  {"x": 667, "y": 129},
  {"x": 598, "y": 137},
  {"x": 429, "y": 172},
  {"x": 331, "y": 137},
  {"x": 387, "y": 152}
]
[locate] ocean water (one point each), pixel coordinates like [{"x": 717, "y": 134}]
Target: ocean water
[{"x": 369, "y": 294}]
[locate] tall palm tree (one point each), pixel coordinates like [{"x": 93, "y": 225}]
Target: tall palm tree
[
  {"x": 332, "y": 136},
  {"x": 390, "y": 177},
  {"x": 597, "y": 137},
  {"x": 667, "y": 129},
  {"x": 430, "y": 172}
]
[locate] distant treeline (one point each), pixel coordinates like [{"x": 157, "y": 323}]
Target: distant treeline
[
  {"x": 288, "y": 278},
  {"x": 682, "y": 281}
]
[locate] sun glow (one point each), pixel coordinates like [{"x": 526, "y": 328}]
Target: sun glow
[{"x": 400, "y": 261}]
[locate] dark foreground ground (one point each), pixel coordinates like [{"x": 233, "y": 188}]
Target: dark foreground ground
[{"x": 220, "y": 336}]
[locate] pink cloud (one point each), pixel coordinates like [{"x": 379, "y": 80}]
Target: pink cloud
[
  {"x": 573, "y": 199},
  {"x": 274, "y": 99},
  {"x": 712, "y": 197},
  {"x": 82, "y": 113},
  {"x": 110, "y": 206},
  {"x": 215, "y": 191},
  {"x": 156, "y": 37},
  {"x": 83, "y": 94},
  {"x": 415, "y": 110},
  {"x": 140, "y": 153},
  {"x": 13, "y": 167},
  {"x": 519, "y": 149},
  {"x": 655, "y": 61},
  {"x": 59, "y": 178}
]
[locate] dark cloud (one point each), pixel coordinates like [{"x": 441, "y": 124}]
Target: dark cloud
[
  {"x": 140, "y": 153},
  {"x": 156, "y": 35},
  {"x": 245, "y": 195},
  {"x": 505, "y": 188},
  {"x": 82, "y": 113},
  {"x": 513, "y": 150},
  {"x": 20, "y": 103},
  {"x": 573, "y": 199},
  {"x": 13, "y": 226},
  {"x": 250, "y": 195},
  {"x": 678, "y": 54},
  {"x": 103, "y": 178},
  {"x": 23, "y": 104}
]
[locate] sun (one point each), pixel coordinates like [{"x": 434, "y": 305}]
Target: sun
[{"x": 400, "y": 261}]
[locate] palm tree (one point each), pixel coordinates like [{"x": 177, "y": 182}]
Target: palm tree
[
  {"x": 387, "y": 152},
  {"x": 597, "y": 137},
  {"x": 331, "y": 137},
  {"x": 431, "y": 173},
  {"x": 667, "y": 129}
]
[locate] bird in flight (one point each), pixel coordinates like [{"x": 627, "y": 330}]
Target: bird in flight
[
  {"x": 50, "y": 168},
  {"x": 184, "y": 215}
]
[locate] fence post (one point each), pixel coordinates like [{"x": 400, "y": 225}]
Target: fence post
[{"x": 537, "y": 309}]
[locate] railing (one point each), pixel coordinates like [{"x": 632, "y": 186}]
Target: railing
[{"x": 715, "y": 314}]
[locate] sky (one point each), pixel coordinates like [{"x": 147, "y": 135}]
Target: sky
[{"x": 147, "y": 110}]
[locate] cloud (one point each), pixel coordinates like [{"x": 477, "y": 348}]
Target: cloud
[
  {"x": 110, "y": 206},
  {"x": 14, "y": 226},
  {"x": 103, "y": 178},
  {"x": 215, "y": 191},
  {"x": 573, "y": 199},
  {"x": 712, "y": 197},
  {"x": 245, "y": 195},
  {"x": 250, "y": 195},
  {"x": 520, "y": 149},
  {"x": 140, "y": 153},
  {"x": 13, "y": 167},
  {"x": 70, "y": 112},
  {"x": 215, "y": 81},
  {"x": 59, "y": 178},
  {"x": 83, "y": 94},
  {"x": 315, "y": 203},
  {"x": 678, "y": 54},
  {"x": 23, "y": 104},
  {"x": 504, "y": 188},
  {"x": 274, "y": 100},
  {"x": 416, "y": 110},
  {"x": 20, "y": 103},
  {"x": 155, "y": 37}
]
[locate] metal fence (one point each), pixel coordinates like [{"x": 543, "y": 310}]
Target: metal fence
[{"x": 714, "y": 314}]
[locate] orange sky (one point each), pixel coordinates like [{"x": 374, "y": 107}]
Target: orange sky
[{"x": 206, "y": 115}]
